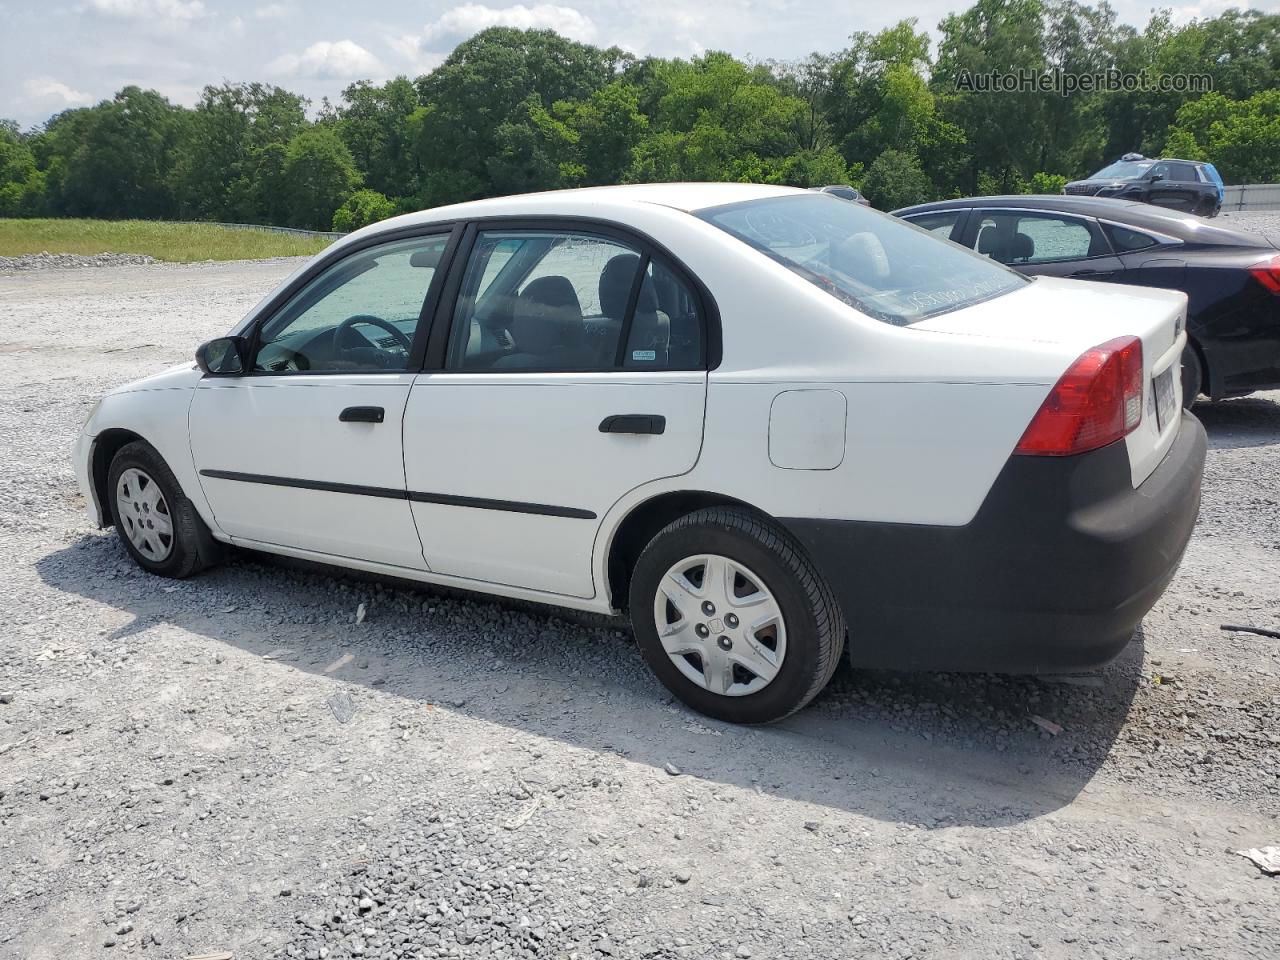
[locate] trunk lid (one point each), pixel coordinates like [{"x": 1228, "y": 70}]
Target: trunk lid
[{"x": 1075, "y": 315}]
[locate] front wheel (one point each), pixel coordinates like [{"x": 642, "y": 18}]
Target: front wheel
[
  {"x": 733, "y": 617},
  {"x": 155, "y": 520}
]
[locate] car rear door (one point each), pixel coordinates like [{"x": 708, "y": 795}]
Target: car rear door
[
  {"x": 1044, "y": 243},
  {"x": 1150, "y": 260},
  {"x": 1177, "y": 186},
  {"x": 305, "y": 450},
  {"x": 567, "y": 366}
]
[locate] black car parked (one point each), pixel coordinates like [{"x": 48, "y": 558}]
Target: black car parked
[
  {"x": 1231, "y": 278},
  {"x": 1168, "y": 182}
]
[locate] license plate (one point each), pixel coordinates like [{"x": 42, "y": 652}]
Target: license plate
[{"x": 1166, "y": 403}]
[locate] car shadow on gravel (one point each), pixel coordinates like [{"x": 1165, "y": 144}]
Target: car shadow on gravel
[
  {"x": 1243, "y": 422},
  {"x": 931, "y": 749}
]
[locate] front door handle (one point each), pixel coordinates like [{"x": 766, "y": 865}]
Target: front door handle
[
  {"x": 634, "y": 423},
  {"x": 362, "y": 415}
]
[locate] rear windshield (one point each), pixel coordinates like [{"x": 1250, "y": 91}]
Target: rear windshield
[
  {"x": 877, "y": 264},
  {"x": 1124, "y": 170}
]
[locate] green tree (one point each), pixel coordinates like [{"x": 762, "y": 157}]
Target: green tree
[
  {"x": 533, "y": 150},
  {"x": 377, "y": 124},
  {"x": 1004, "y": 131},
  {"x": 605, "y": 129},
  {"x": 319, "y": 175},
  {"x": 113, "y": 159},
  {"x": 1047, "y": 183},
  {"x": 476, "y": 98},
  {"x": 718, "y": 119},
  {"x": 895, "y": 180},
  {"x": 237, "y": 135},
  {"x": 1242, "y": 137},
  {"x": 22, "y": 185},
  {"x": 361, "y": 209}
]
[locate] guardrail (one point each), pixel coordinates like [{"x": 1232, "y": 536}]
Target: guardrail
[
  {"x": 296, "y": 231},
  {"x": 1252, "y": 196}
]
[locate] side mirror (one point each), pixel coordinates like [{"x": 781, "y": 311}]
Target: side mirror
[
  {"x": 224, "y": 357},
  {"x": 1157, "y": 176}
]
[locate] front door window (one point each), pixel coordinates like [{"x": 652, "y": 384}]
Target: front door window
[{"x": 359, "y": 315}]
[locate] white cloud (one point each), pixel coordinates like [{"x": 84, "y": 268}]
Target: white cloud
[
  {"x": 1202, "y": 10},
  {"x": 461, "y": 22},
  {"x": 409, "y": 48},
  {"x": 339, "y": 60},
  {"x": 49, "y": 90},
  {"x": 271, "y": 11},
  {"x": 181, "y": 10}
]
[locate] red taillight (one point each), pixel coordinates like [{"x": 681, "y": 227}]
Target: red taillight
[
  {"x": 1267, "y": 273},
  {"x": 1096, "y": 402}
]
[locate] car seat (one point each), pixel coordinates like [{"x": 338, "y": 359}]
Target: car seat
[{"x": 546, "y": 327}]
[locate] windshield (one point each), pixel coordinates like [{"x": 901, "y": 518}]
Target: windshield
[
  {"x": 879, "y": 265},
  {"x": 1124, "y": 170}
]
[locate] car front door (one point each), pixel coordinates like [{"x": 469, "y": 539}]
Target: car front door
[
  {"x": 304, "y": 451},
  {"x": 947, "y": 224},
  {"x": 1044, "y": 243},
  {"x": 566, "y": 368}
]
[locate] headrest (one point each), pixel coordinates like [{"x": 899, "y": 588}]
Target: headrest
[
  {"x": 989, "y": 241},
  {"x": 615, "y": 284},
  {"x": 547, "y": 315}
]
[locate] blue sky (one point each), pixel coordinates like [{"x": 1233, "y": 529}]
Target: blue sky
[{"x": 56, "y": 54}]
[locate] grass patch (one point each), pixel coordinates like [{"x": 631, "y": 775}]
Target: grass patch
[{"x": 176, "y": 242}]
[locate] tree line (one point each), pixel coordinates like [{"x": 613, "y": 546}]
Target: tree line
[{"x": 512, "y": 110}]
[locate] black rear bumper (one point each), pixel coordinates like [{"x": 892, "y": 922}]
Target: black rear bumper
[{"x": 1058, "y": 567}]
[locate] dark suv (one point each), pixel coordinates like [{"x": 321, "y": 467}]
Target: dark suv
[{"x": 1179, "y": 184}]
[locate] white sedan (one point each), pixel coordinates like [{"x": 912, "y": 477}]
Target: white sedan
[{"x": 764, "y": 421}]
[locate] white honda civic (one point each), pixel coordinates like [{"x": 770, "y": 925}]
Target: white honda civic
[{"x": 765, "y": 422}]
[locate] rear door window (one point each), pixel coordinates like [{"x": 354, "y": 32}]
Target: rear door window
[
  {"x": 1017, "y": 238},
  {"x": 560, "y": 301}
]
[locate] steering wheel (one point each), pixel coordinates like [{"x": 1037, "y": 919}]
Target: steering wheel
[{"x": 341, "y": 330}]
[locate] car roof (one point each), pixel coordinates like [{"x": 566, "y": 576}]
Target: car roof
[
  {"x": 1184, "y": 226},
  {"x": 602, "y": 200}
]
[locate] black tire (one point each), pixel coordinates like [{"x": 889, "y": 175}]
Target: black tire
[
  {"x": 1192, "y": 376},
  {"x": 815, "y": 627},
  {"x": 193, "y": 548}
]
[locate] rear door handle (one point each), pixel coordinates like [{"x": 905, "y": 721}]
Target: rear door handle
[
  {"x": 1094, "y": 273},
  {"x": 362, "y": 415},
  {"x": 634, "y": 423}
]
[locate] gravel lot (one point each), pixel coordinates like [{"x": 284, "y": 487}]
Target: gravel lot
[{"x": 232, "y": 763}]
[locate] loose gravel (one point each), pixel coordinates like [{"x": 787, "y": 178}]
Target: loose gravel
[
  {"x": 69, "y": 261},
  {"x": 241, "y": 763},
  {"x": 1265, "y": 222}
]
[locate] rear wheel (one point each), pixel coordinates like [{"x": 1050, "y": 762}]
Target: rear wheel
[
  {"x": 1192, "y": 376},
  {"x": 154, "y": 519},
  {"x": 733, "y": 617}
]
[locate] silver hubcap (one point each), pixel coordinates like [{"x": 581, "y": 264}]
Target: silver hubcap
[
  {"x": 720, "y": 625},
  {"x": 144, "y": 514}
]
